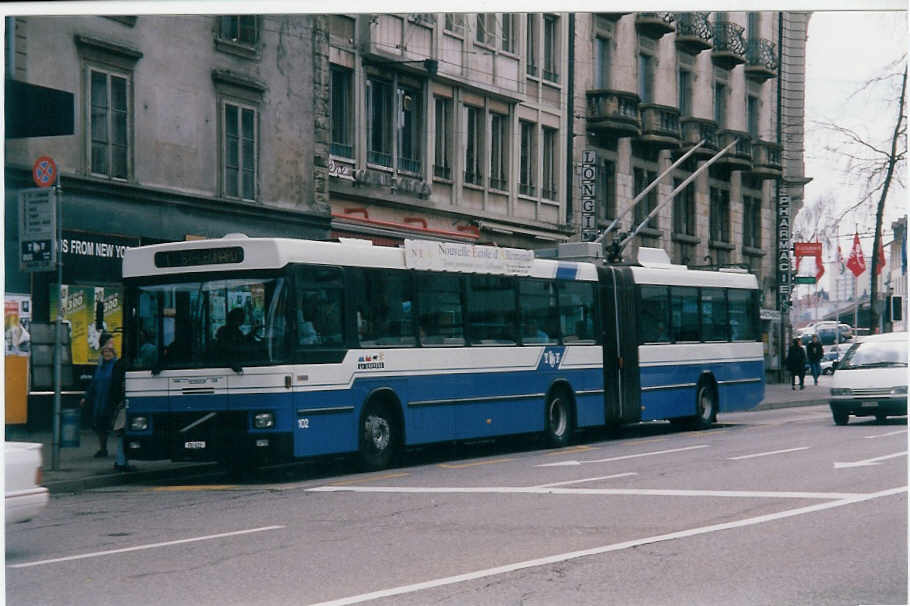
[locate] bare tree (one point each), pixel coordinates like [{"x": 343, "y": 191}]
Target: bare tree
[{"x": 877, "y": 164}]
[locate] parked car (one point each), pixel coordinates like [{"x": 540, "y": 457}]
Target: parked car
[
  {"x": 25, "y": 497},
  {"x": 828, "y": 363},
  {"x": 871, "y": 379}
]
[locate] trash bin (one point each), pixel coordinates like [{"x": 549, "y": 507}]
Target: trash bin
[{"x": 70, "y": 424}]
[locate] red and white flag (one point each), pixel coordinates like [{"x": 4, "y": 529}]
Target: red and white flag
[
  {"x": 881, "y": 258},
  {"x": 856, "y": 263}
]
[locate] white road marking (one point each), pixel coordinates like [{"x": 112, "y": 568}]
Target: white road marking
[
  {"x": 141, "y": 547},
  {"x": 663, "y": 492},
  {"x": 890, "y": 433},
  {"x": 572, "y": 555},
  {"x": 765, "y": 454},
  {"x": 615, "y": 475},
  {"x": 868, "y": 462},
  {"x": 624, "y": 457}
]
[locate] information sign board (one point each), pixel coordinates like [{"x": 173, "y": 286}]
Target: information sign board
[{"x": 38, "y": 229}]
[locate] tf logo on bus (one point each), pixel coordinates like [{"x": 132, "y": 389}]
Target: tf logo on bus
[{"x": 551, "y": 358}]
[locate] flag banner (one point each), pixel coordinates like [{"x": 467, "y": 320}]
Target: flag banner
[
  {"x": 809, "y": 249},
  {"x": 856, "y": 263},
  {"x": 881, "y": 259},
  {"x": 840, "y": 260}
]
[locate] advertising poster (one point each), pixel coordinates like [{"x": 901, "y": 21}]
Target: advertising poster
[
  {"x": 84, "y": 308},
  {"x": 17, "y": 317},
  {"x": 16, "y": 323}
]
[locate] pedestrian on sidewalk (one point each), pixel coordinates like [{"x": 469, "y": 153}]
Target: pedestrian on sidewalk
[
  {"x": 815, "y": 353},
  {"x": 97, "y": 396},
  {"x": 796, "y": 363}
]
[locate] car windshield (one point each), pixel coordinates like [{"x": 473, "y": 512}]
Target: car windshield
[{"x": 875, "y": 354}]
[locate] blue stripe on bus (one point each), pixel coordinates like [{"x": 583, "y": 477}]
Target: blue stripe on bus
[
  {"x": 740, "y": 387},
  {"x": 566, "y": 271}
]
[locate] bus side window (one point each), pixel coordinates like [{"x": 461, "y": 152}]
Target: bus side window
[
  {"x": 439, "y": 303},
  {"x": 492, "y": 310},
  {"x": 319, "y": 305},
  {"x": 384, "y": 308},
  {"x": 576, "y": 311},
  {"x": 743, "y": 323},
  {"x": 684, "y": 324},
  {"x": 655, "y": 313},
  {"x": 539, "y": 312},
  {"x": 714, "y": 314}
]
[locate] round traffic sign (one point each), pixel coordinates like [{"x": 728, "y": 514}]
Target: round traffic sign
[{"x": 44, "y": 172}]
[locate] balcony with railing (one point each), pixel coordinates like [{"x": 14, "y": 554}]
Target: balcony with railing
[
  {"x": 766, "y": 160},
  {"x": 729, "y": 44},
  {"x": 693, "y": 32},
  {"x": 473, "y": 178},
  {"x": 380, "y": 158},
  {"x": 613, "y": 113},
  {"x": 526, "y": 189},
  {"x": 341, "y": 149},
  {"x": 761, "y": 60},
  {"x": 442, "y": 172},
  {"x": 740, "y": 156},
  {"x": 408, "y": 165},
  {"x": 660, "y": 126},
  {"x": 693, "y": 131},
  {"x": 655, "y": 25}
]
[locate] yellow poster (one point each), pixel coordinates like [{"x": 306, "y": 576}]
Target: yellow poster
[{"x": 83, "y": 308}]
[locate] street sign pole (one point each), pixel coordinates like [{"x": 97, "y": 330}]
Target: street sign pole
[{"x": 58, "y": 373}]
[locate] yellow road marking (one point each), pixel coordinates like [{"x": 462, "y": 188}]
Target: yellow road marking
[
  {"x": 387, "y": 476},
  {"x": 579, "y": 448},
  {"x": 463, "y": 465}
]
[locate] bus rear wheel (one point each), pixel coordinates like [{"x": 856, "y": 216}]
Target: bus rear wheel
[
  {"x": 705, "y": 407},
  {"x": 558, "y": 419},
  {"x": 378, "y": 438}
]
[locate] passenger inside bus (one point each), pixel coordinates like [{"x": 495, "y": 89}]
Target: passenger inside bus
[{"x": 230, "y": 334}]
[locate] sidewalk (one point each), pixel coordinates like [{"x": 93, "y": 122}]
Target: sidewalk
[{"x": 78, "y": 470}]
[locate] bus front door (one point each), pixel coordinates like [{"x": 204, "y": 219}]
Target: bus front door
[{"x": 622, "y": 396}]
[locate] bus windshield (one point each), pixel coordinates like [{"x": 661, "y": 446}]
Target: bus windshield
[{"x": 232, "y": 322}]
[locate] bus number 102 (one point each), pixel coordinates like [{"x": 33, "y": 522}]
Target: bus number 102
[{"x": 303, "y": 423}]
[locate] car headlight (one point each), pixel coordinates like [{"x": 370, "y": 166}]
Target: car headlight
[
  {"x": 139, "y": 423},
  {"x": 263, "y": 420},
  {"x": 900, "y": 390},
  {"x": 841, "y": 391}
]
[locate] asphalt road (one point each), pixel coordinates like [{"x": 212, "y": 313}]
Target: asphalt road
[{"x": 769, "y": 507}]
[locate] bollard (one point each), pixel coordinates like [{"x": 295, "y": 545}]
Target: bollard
[{"x": 70, "y": 425}]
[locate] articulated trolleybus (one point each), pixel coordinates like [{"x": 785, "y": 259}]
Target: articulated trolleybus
[{"x": 259, "y": 350}]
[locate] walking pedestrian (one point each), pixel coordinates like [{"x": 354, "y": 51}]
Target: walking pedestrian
[
  {"x": 815, "y": 353},
  {"x": 97, "y": 396},
  {"x": 796, "y": 363}
]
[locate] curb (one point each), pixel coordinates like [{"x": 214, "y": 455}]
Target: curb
[
  {"x": 119, "y": 478},
  {"x": 776, "y": 405}
]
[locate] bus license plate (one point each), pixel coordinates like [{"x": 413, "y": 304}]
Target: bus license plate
[{"x": 194, "y": 445}]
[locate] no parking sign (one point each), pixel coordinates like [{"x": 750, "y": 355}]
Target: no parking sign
[{"x": 44, "y": 172}]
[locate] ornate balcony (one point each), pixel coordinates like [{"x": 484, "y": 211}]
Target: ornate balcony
[
  {"x": 693, "y": 32},
  {"x": 655, "y": 25},
  {"x": 766, "y": 160},
  {"x": 693, "y": 131},
  {"x": 613, "y": 113},
  {"x": 729, "y": 45},
  {"x": 660, "y": 126},
  {"x": 740, "y": 157},
  {"x": 761, "y": 60}
]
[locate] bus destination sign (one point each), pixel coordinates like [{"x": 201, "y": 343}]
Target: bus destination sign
[{"x": 199, "y": 256}]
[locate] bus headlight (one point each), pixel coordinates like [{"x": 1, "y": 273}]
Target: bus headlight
[
  {"x": 139, "y": 424},
  {"x": 264, "y": 420}
]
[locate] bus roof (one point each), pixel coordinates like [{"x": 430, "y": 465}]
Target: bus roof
[
  {"x": 677, "y": 275},
  {"x": 240, "y": 253}
]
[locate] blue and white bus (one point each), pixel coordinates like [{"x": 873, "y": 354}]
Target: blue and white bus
[{"x": 257, "y": 350}]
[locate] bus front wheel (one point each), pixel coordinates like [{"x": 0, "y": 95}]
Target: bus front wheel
[
  {"x": 558, "y": 420},
  {"x": 378, "y": 438}
]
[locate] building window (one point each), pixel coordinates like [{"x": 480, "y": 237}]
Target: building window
[
  {"x": 720, "y": 215},
  {"x": 454, "y": 22},
  {"x": 601, "y": 62},
  {"x": 685, "y": 92},
  {"x": 752, "y": 222},
  {"x": 110, "y": 114},
  {"x": 242, "y": 29},
  {"x": 684, "y": 209},
  {"x": 473, "y": 171},
  {"x": 532, "y": 45},
  {"x": 442, "y": 162},
  {"x": 646, "y": 78},
  {"x": 485, "y": 32},
  {"x": 720, "y": 104},
  {"x": 607, "y": 190},
  {"x": 379, "y": 122},
  {"x": 499, "y": 154},
  {"x": 551, "y": 48},
  {"x": 643, "y": 178},
  {"x": 548, "y": 183},
  {"x": 527, "y": 159},
  {"x": 408, "y": 124},
  {"x": 509, "y": 32},
  {"x": 752, "y": 115},
  {"x": 342, "y": 116},
  {"x": 239, "y": 155}
]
